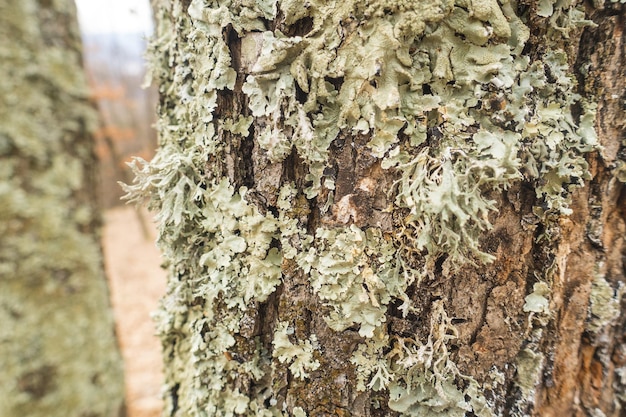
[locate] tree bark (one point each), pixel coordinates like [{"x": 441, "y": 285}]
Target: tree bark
[
  {"x": 58, "y": 352},
  {"x": 390, "y": 208}
]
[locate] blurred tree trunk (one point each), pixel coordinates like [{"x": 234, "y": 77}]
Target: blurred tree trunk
[
  {"x": 391, "y": 208},
  {"x": 58, "y": 352}
]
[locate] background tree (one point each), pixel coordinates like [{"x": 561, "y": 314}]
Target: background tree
[
  {"x": 58, "y": 353},
  {"x": 381, "y": 208}
]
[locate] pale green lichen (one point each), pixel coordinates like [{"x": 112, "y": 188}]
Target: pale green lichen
[
  {"x": 545, "y": 8},
  {"x": 604, "y": 304},
  {"x": 449, "y": 104},
  {"x": 446, "y": 211},
  {"x": 529, "y": 364},
  {"x": 355, "y": 272},
  {"x": 537, "y": 301},
  {"x": 453, "y": 218},
  {"x": 299, "y": 356},
  {"x": 421, "y": 378},
  {"x": 299, "y": 412},
  {"x": 555, "y": 143},
  {"x": 240, "y": 126},
  {"x": 372, "y": 368},
  {"x": 619, "y": 171},
  {"x": 537, "y": 305},
  {"x": 563, "y": 17},
  {"x": 234, "y": 265}
]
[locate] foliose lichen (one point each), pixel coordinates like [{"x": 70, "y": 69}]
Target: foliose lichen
[
  {"x": 451, "y": 107},
  {"x": 421, "y": 377},
  {"x": 356, "y": 273},
  {"x": 300, "y": 356}
]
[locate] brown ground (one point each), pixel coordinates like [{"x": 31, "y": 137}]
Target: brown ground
[{"x": 137, "y": 282}]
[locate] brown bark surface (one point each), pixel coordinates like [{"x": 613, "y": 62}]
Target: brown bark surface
[{"x": 583, "y": 379}]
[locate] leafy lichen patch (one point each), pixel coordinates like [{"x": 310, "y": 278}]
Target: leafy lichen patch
[
  {"x": 452, "y": 111},
  {"x": 420, "y": 375},
  {"x": 300, "y": 355},
  {"x": 233, "y": 267},
  {"x": 355, "y": 272}
]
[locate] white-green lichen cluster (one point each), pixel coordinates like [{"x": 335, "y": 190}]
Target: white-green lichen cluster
[
  {"x": 452, "y": 109},
  {"x": 356, "y": 273},
  {"x": 604, "y": 306},
  {"x": 300, "y": 356},
  {"x": 228, "y": 265},
  {"x": 421, "y": 378},
  {"x": 58, "y": 353}
]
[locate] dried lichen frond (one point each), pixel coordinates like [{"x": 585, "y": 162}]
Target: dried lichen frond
[
  {"x": 447, "y": 210},
  {"x": 299, "y": 355},
  {"x": 421, "y": 377}
]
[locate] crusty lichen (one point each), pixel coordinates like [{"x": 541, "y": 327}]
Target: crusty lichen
[
  {"x": 451, "y": 108},
  {"x": 604, "y": 304},
  {"x": 529, "y": 364},
  {"x": 58, "y": 352}
]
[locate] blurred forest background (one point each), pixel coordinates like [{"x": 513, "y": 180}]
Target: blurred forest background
[{"x": 115, "y": 35}]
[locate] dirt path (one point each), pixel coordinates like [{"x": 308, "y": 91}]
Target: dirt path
[{"x": 137, "y": 282}]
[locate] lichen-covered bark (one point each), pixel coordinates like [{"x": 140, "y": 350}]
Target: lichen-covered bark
[
  {"x": 381, "y": 208},
  {"x": 58, "y": 353}
]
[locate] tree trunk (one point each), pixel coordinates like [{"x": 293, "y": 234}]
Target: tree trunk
[
  {"x": 58, "y": 353},
  {"x": 391, "y": 208}
]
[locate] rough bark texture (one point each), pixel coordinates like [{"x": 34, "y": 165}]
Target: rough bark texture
[
  {"x": 391, "y": 208},
  {"x": 58, "y": 353}
]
